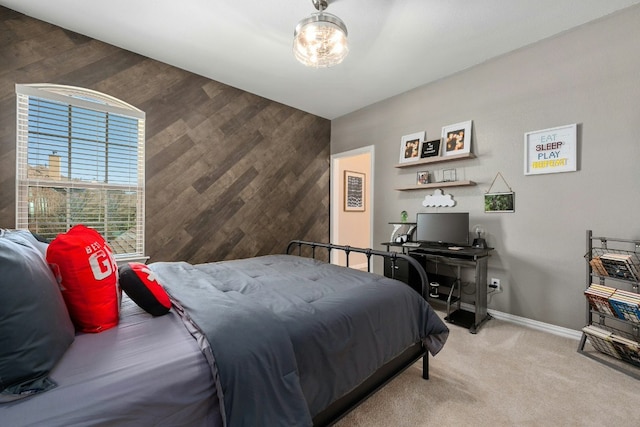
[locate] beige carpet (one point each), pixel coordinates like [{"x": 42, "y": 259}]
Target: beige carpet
[{"x": 506, "y": 375}]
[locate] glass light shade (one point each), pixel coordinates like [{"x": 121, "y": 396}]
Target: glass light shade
[{"x": 320, "y": 40}]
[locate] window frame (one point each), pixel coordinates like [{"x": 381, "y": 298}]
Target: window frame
[{"x": 89, "y": 100}]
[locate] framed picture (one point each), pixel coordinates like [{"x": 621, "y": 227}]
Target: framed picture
[
  {"x": 457, "y": 138},
  {"x": 410, "y": 147},
  {"x": 422, "y": 178},
  {"x": 449, "y": 175},
  {"x": 353, "y": 191},
  {"x": 430, "y": 149},
  {"x": 550, "y": 150},
  {"x": 499, "y": 202}
]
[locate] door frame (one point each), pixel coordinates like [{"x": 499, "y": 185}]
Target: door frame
[{"x": 335, "y": 211}]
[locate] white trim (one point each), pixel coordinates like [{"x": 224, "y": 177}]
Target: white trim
[
  {"x": 76, "y": 97},
  {"x": 530, "y": 323},
  {"x": 127, "y": 258},
  {"x": 64, "y": 94}
]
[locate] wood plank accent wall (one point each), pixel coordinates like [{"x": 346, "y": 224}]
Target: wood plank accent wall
[{"x": 229, "y": 174}]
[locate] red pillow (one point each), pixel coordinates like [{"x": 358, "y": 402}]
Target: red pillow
[
  {"x": 87, "y": 273},
  {"x": 140, "y": 283}
]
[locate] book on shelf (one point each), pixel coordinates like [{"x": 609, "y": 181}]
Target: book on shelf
[
  {"x": 598, "y": 297},
  {"x": 621, "y": 266}
]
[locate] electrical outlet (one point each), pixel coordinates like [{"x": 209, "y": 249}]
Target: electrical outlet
[{"x": 495, "y": 284}]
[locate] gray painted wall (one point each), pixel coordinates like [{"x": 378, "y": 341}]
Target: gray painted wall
[{"x": 589, "y": 76}]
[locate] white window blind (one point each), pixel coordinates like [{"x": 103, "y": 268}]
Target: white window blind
[{"x": 80, "y": 160}]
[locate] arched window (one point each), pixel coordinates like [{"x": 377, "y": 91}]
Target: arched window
[{"x": 80, "y": 160}]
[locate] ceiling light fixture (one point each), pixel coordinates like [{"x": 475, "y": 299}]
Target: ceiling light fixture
[{"x": 320, "y": 40}]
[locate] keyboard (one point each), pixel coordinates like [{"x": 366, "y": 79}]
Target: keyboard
[{"x": 411, "y": 244}]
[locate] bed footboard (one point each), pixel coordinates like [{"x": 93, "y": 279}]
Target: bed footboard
[
  {"x": 392, "y": 256},
  {"x": 393, "y": 368}
]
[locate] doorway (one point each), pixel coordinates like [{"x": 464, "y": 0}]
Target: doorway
[{"x": 351, "y": 227}]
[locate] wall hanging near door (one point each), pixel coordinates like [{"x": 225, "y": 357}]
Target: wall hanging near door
[
  {"x": 499, "y": 202},
  {"x": 353, "y": 191}
]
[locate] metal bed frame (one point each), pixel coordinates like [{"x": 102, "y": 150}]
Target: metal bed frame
[{"x": 391, "y": 369}]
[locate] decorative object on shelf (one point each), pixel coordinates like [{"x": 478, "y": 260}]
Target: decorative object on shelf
[
  {"x": 320, "y": 40},
  {"x": 499, "y": 202},
  {"x": 410, "y": 147},
  {"x": 404, "y": 216},
  {"x": 479, "y": 241},
  {"x": 449, "y": 175},
  {"x": 433, "y": 289},
  {"x": 354, "y": 191},
  {"x": 550, "y": 150},
  {"x": 457, "y": 138},
  {"x": 438, "y": 199},
  {"x": 423, "y": 177},
  {"x": 402, "y": 231},
  {"x": 430, "y": 148}
]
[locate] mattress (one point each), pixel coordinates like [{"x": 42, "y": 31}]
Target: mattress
[{"x": 148, "y": 371}]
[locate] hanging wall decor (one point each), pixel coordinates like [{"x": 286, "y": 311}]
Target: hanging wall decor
[
  {"x": 499, "y": 202},
  {"x": 550, "y": 150},
  {"x": 353, "y": 191}
]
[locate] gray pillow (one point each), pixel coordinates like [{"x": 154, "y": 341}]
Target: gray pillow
[{"x": 35, "y": 328}]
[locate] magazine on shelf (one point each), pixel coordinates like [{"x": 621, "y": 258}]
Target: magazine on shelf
[
  {"x": 596, "y": 266},
  {"x": 627, "y": 349},
  {"x": 621, "y": 266},
  {"x": 601, "y": 339},
  {"x": 598, "y": 297},
  {"x": 626, "y": 305}
]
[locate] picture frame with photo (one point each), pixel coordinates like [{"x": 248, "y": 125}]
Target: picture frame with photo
[
  {"x": 449, "y": 175},
  {"x": 411, "y": 146},
  {"x": 499, "y": 202},
  {"x": 422, "y": 178},
  {"x": 456, "y": 138},
  {"x": 354, "y": 183}
]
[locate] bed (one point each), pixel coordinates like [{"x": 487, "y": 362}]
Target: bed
[{"x": 274, "y": 340}]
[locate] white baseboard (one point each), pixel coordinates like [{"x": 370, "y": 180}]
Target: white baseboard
[{"x": 530, "y": 323}]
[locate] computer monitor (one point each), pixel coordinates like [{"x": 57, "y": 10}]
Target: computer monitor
[{"x": 450, "y": 228}]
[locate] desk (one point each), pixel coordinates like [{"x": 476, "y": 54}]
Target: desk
[{"x": 467, "y": 257}]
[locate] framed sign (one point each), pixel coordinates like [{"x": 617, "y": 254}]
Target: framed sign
[
  {"x": 353, "y": 191},
  {"x": 430, "y": 149},
  {"x": 410, "y": 147},
  {"x": 550, "y": 150},
  {"x": 457, "y": 138}
]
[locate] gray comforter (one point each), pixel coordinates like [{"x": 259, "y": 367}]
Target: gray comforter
[{"x": 286, "y": 336}]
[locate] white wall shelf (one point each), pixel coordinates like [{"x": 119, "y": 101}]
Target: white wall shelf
[
  {"x": 437, "y": 185},
  {"x": 438, "y": 159}
]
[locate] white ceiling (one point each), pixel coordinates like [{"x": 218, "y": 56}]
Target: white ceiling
[{"x": 395, "y": 45}]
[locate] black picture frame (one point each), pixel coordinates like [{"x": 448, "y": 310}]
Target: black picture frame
[{"x": 430, "y": 148}]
